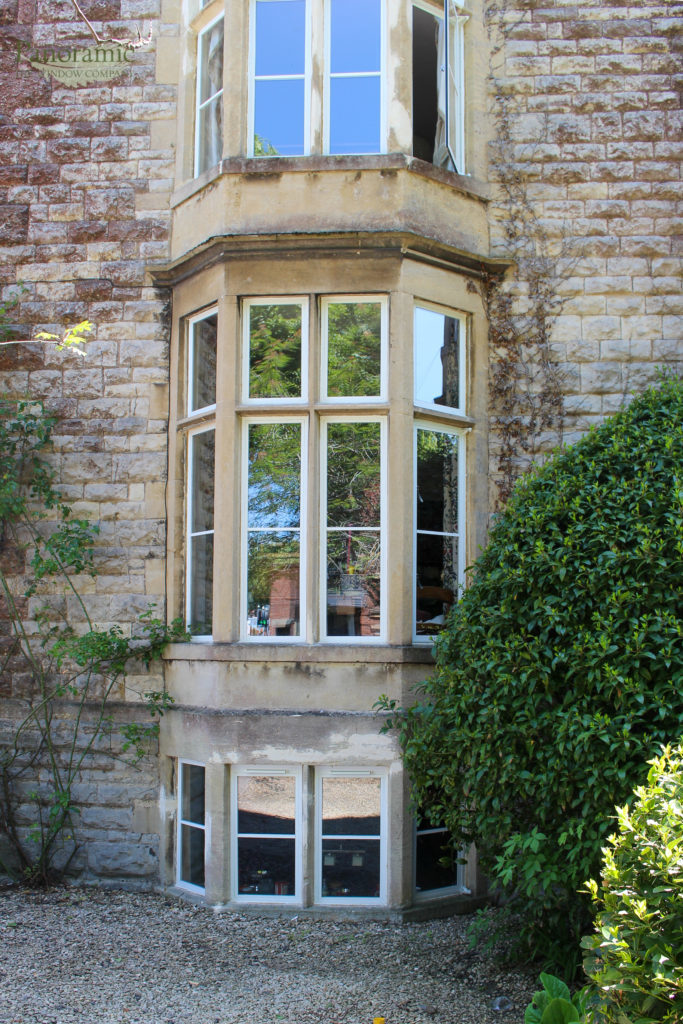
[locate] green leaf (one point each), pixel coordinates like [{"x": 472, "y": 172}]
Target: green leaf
[{"x": 559, "y": 1011}]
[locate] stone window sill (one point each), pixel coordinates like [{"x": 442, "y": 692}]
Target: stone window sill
[
  {"x": 302, "y": 653},
  {"x": 268, "y": 167}
]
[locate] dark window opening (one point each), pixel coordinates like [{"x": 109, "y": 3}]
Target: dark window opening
[{"x": 425, "y": 33}]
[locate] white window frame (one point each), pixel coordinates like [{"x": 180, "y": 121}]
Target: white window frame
[
  {"x": 290, "y": 771},
  {"x": 191, "y": 323},
  {"x": 275, "y": 300},
  {"x": 421, "y": 423},
  {"x": 332, "y": 300},
  {"x": 325, "y": 421},
  {"x": 352, "y": 773},
  {"x": 205, "y": 828},
  {"x": 246, "y": 422},
  {"x": 251, "y": 99},
  {"x": 201, "y": 104},
  {"x": 426, "y": 895},
  {"x": 382, "y": 75},
  {"x": 189, "y": 534},
  {"x": 444, "y": 410}
]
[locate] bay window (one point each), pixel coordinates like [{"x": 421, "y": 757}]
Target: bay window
[
  {"x": 439, "y": 467},
  {"x": 201, "y": 346},
  {"x": 334, "y": 461},
  {"x": 310, "y": 425}
]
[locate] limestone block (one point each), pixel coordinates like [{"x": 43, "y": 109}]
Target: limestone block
[
  {"x": 122, "y": 859},
  {"x": 600, "y": 328},
  {"x": 599, "y": 378}
]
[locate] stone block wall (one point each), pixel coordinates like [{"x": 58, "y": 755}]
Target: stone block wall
[
  {"x": 86, "y": 174},
  {"x": 592, "y": 90}
]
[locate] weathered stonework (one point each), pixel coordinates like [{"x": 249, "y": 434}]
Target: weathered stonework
[{"x": 571, "y": 161}]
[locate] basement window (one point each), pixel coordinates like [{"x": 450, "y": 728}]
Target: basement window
[
  {"x": 351, "y": 848},
  {"x": 191, "y": 826},
  {"x": 266, "y": 835}
]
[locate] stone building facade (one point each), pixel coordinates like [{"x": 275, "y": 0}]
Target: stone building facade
[{"x": 313, "y": 302}]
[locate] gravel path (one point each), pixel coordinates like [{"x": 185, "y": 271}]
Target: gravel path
[{"x": 109, "y": 957}]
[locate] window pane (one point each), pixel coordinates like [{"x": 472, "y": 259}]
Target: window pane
[
  {"x": 274, "y": 475},
  {"x": 431, "y": 848},
  {"x": 211, "y": 62},
  {"x": 266, "y": 804},
  {"x": 356, "y": 35},
  {"x": 210, "y": 134},
  {"x": 436, "y": 585},
  {"x": 350, "y": 868},
  {"x": 353, "y": 583},
  {"x": 275, "y": 351},
  {"x": 202, "y": 484},
  {"x": 355, "y": 115},
  {"x": 201, "y": 584},
  {"x": 266, "y": 867},
  {"x": 273, "y": 587},
  {"x": 192, "y": 855},
  {"x": 437, "y": 380},
  {"x": 192, "y": 796},
  {"x": 354, "y": 350},
  {"x": 353, "y": 474},
  {"x": 437, "y": 481},
  {"x": 351, "y": 806},
  {"x": 203, "y": 342},
  {"x": 280, "y": 37},
  {"x": 279, "y": 117}
]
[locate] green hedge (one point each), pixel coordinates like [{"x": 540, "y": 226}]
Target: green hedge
[{"x": 560, "y": 673}]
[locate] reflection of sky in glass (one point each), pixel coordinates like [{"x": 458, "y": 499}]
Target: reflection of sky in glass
[
  {"x": 280, "y": 37},
  {"x": 428, "y": 344},
  {"x": 356, "y": 35},
  {"x": 354, "y": 115},
  {"x": 279, "y": 115}
]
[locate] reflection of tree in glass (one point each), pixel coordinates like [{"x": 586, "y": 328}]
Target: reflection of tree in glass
[
  {"x": 275, "y": 351},
  {"x": 263, "y": 147},
  {"x": 354, "y": 349},
  {"x": 353, "y": 474},
  {"x": 271, "y": 557},
  {"x": 274, "y": 482}
]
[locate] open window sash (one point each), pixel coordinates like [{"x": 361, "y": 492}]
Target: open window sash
[{"x": 449, "y": 144}]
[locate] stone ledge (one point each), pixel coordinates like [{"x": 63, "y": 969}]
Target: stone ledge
[{"x": 385, "y": 654}]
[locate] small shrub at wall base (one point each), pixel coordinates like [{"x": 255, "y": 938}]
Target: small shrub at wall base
[
  {"x": 560, "y": 672},
  {"x": 635, "y": 957}
]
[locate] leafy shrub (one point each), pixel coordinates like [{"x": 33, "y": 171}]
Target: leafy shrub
[
  {"x": 553, "y": 1004},
  {"x": 635, "y": 958},
  {"x": 560, "y": 672}
]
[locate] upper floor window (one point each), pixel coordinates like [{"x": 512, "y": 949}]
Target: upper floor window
[
  {"x": 439, "y": 83},
  {"x": 209, "y": 115},
  {"x": 285, "y": 80}
]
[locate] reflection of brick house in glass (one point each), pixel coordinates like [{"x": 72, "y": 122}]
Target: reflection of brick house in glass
[{"x": 283, "y": 221}]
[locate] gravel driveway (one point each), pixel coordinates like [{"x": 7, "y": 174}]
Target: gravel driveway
[{"x": 109, "y": 957}]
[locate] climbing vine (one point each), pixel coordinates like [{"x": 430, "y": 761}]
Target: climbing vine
[{"x": 526, "y": 382}]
